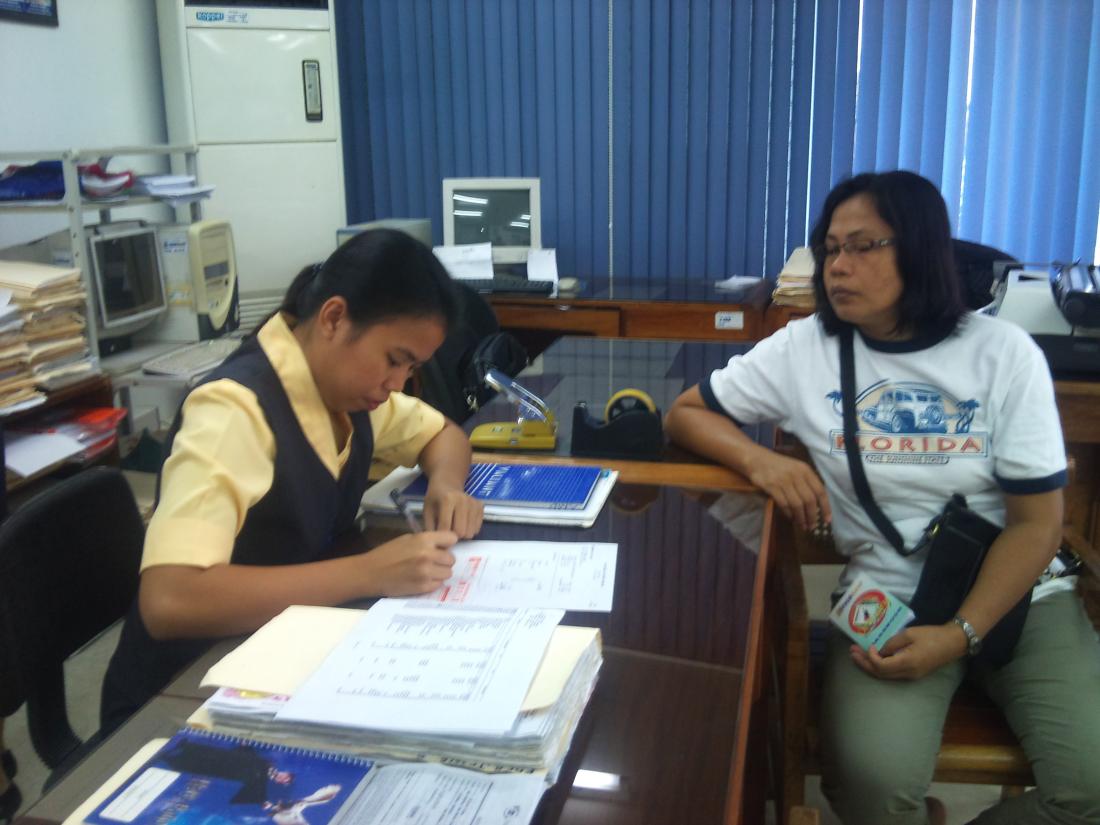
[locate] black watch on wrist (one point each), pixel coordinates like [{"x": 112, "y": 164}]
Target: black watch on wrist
[{"x": 973, "y": 640}]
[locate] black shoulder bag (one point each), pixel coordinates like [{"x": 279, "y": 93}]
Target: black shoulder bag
[{"x": 957, "y": 540}]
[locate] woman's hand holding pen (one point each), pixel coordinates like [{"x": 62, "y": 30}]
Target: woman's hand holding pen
[
  {"x": 449, "y": 508},
  {"x": 411, "y": 564}
]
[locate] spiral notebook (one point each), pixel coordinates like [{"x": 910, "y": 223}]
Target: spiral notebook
[
  {"x": 214, "y": 779},
  {"x": 522, "y": 485},
  {"x": 377, "y": 499},
  {"x": 203, "y": 777}
]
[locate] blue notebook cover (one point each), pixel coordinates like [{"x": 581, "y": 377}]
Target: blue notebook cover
[
  {"x": 213, "y": 779},
  {"x": 523, "y": 485}
]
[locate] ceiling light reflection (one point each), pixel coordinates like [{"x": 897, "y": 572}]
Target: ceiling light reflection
[{"x": 598, "y": 781}]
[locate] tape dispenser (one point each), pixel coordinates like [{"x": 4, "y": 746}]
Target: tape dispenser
[
  {"x": 534, "y": 428},
  {"x": 631, "y": 428}
]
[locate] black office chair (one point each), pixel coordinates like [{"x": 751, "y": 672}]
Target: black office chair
[
  {"x": 974, "y": 262},
  {"x": 451, "y": 380},
  {"x": 69, "y": 562}
]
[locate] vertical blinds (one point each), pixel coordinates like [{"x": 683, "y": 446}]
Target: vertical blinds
[{"x": 681, "y": 139}]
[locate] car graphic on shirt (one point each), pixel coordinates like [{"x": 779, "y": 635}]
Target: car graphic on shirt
[{"x": 907, "y": 409}]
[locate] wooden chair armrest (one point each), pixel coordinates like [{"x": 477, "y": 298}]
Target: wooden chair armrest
[{"x": 1076, "y": 542}]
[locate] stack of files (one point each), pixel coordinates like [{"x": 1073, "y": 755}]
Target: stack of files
[
  {"x": 794, "y": 287},
  {"x": 196, "y": 777},
  {"x": 515, "y": 493},
  {"x": 179, "y": 188},
  {"x": 518, "y": 711},
  {"x": 51, "y": 300},
  {"x": 38, "y": 287},
  {"x": 17, "y": 388}
]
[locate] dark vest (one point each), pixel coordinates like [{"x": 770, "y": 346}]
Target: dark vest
[{"x": 301, "y": 518}]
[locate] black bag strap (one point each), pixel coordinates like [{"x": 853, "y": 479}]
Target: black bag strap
[{"x": 851, "y": 444}]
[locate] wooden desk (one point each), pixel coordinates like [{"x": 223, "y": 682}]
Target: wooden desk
[
  {"x": 679, "y": 693},
  {"x": 576, "y": 369},
  {"x": 686, "y": 311},
  {"x": 1079, "y": 408}
]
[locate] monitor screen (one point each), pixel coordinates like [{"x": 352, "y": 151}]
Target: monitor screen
[
  {"x": 500, "y": 211},
  {"x": 501, "y": 217},
  {"x": 129, "y": 283}
]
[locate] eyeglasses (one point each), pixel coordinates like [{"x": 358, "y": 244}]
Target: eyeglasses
[{"x": 860, "y": 246}]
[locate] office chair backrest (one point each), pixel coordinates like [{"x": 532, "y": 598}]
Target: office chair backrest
[
  {"x": 974, "y": 262},
  {"x": 68, "y": 569},
  {"x": 451, "y": 380}
]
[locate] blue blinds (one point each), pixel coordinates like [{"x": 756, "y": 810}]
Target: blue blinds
[
  {"x": 697, "y": 138},
  {"x": 432, "y": 89}
]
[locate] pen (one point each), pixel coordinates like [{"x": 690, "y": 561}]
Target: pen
[{"x": 403, "y": 509}]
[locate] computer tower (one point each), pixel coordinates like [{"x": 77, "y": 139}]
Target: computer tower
[{"x": 200, "y": 277}]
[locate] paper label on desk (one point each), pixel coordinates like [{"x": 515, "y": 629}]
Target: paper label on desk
[
  {"x": 472, "y": 260},
  {"x": 424, "y": 667},
  {"x": 542, "y": 265},
  {"x": 566, "y": 575}
]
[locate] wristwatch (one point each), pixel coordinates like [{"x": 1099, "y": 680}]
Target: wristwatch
[{"x": 973, "y": 640}]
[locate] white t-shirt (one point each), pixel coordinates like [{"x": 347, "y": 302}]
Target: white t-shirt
[{"x": 971, "y": 413}]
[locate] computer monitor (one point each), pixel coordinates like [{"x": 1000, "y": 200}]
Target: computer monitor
[
  {"x": 502, "y": 211},
  {"x": 419, "y": 228},
  {"x": 129, "y": 282}
]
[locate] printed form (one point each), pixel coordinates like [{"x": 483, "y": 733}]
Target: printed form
[
  {"x": 420, "y": 666},
  {"x": 566, "y": 575},
  {"x": 439, "y": 795}
]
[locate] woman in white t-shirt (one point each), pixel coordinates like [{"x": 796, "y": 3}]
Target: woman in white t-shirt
[{"x": 947, "y": 401}]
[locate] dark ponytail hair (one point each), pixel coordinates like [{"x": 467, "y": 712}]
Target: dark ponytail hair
[{"x": 381, "y": 273}]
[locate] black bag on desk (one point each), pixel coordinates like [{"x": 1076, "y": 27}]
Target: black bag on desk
[{"x": 957, "y": 541}]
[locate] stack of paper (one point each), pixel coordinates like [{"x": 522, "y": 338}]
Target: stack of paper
[
  {"x": 499, "y": 505},
  {"x": 50, "y": 300},
  {"x": 486, "y": 688},
  {"x": 196, "y": 777},
  {"x": 16, "y": 383},
  {"x": 172, "y": 188},
  {"x": 794, "y": 287}
]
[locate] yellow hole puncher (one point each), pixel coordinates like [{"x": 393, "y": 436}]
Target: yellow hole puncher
[{"x": 534, "y": 428}]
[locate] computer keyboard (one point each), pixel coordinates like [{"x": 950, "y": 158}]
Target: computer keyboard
[
  {"x": 192, "y": 359},
  {"x": 510, "y": 283}
]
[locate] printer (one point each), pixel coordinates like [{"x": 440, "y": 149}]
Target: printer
[{"x": 1060, "y": 307}]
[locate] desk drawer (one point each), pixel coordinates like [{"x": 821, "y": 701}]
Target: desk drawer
[
  {"x": 603, "y": 323},
  {"x": 690, "y": 322}
]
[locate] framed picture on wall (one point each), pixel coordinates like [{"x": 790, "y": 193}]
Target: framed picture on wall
[{"x": 41, "y": 12}]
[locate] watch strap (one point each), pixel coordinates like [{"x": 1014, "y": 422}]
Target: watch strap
[{"x": 973, "y": 640}]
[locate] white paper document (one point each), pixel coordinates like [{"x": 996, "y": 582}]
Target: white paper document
[
  {"x": 420, "y": 666},
  {"x": 27, "y": 453},
  {"x": 439, "y": 795},
  {"x": 472, "y": 260},
  {"x": 542, "y": 265},
  {"x": 735, "y": 283},
  {"x": 566, "y": 575}
]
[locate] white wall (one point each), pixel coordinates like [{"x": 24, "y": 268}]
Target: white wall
[{"x": 93, "y": 81}]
